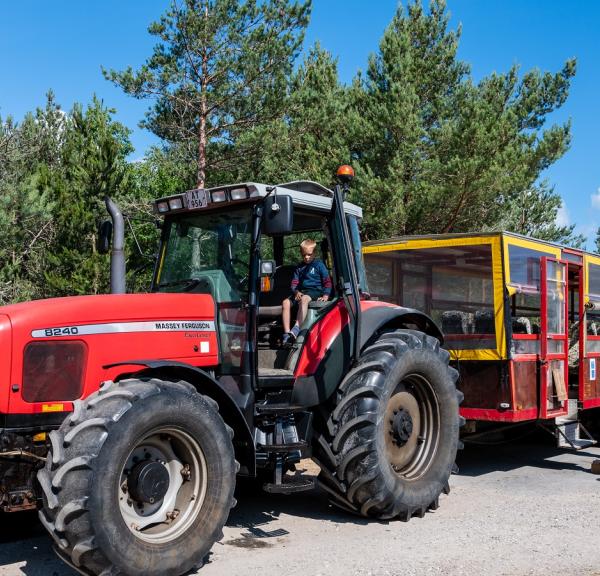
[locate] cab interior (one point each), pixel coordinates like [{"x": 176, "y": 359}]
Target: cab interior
[{"x": 273, "y": 359}]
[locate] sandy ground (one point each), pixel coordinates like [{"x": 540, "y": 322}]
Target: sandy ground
[{"x": 514, "y": 510}]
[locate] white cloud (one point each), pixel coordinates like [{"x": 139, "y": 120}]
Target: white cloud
[
  {"x": 595, "y": 198},
  {"x": 562, "y": 215}
]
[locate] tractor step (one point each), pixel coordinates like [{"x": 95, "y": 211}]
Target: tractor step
[
  {"x": 290, "y": 485},
  {"x": 569, "y": 435},
  {"x": 291, "y": 447},
  {"x": 278, "y": 409}
]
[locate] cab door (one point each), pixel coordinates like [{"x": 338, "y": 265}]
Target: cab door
[{"x": 554, "y": 342}]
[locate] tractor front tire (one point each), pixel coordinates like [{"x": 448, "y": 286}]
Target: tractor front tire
[
  {"x": 388, "y": 442},
  {"x": 139, "y": 480}
]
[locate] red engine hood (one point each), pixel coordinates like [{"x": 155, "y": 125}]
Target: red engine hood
[
  {"x": 115, "y": 328},
  {"x": 75, "y": 310}
]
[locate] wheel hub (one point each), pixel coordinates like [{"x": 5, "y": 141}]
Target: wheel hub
[
  {"x": 148, "y": 482},
  {"x": 402, "y": 427}
]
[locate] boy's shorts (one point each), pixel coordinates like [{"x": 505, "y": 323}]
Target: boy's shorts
[{"x": 314, "y": 295}]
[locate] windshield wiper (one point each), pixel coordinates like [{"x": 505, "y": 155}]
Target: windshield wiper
[{"x": 187, "y": 283}]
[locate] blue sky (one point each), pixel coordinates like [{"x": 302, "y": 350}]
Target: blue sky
[{"x": 62, "y": 44}]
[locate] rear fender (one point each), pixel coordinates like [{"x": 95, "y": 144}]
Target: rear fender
[
  {"x": 325, "y": 358},
  {"x": 376, "y": 318},
  {"x": 243, "y": 441}
]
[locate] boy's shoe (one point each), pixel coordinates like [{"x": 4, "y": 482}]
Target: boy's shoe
[
  {"x": 287, "y": 339},
  {"x": 295, "y": 331}
]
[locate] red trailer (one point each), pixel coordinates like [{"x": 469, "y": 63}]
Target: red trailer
[{"x": 521, "y": 319}]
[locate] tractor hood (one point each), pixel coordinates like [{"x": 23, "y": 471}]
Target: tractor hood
[
  {"x": 105, "y": 308},
  {"x": 61, "y": 349}
]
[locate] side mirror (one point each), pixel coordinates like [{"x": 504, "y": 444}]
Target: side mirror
[
  {"x": 267, "y": 271},
  {"x": 104, "y": 237},
  {"x": 278, "y": 216}
]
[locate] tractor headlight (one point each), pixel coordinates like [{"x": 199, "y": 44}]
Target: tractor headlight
[
  {"x": 162, "y": 207},
  {"x": 176, "y": 203},
  {"x": 239, "y": 194},
  {"x": 53, "y": 371},
  {"x": 218, "y": 195}
]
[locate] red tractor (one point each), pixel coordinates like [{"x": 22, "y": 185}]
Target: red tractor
[{"x": 145, "y": 407}]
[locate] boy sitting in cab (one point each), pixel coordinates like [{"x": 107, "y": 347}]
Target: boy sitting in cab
[{"x": 311, "y": 281}]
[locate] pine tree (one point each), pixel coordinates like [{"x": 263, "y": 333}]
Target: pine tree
[
  {"x": 312, "y": 139},
  {"x": 533, "y": 213},
  {"x": 218, "y": 70},
  {"x": 27, "y": 227},
  {"x": 92, "y": 165},
  {"x": 442, "y": 153}
]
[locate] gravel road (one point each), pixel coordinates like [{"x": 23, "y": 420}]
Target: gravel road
[{"x": 514, "y": 510}]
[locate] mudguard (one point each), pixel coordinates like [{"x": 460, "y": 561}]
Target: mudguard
[
  {"x": 326, "y": 356},
  {"x": 376, "y": 317}
]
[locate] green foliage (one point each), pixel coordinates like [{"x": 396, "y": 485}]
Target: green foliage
[
  {"x": 217, "y": 70},
  {"x": 92, "y": 165},
  {"x": 312, "y": 138},
  {"x": 55, "y": 169},
  {"x": 26, "y": 215},
  {"x": 533, "y": 213},
  {"x": 433, "y": 150},
  {"x": 442, "y": 153}
]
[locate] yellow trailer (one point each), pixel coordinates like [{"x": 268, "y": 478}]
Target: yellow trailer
[{"x": 511, "y": 309}]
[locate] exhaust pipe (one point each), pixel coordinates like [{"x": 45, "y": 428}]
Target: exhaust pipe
[{"x": 117, "y": 255}]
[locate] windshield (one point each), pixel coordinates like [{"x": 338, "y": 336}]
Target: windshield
[{"x": 208, "y": 253}]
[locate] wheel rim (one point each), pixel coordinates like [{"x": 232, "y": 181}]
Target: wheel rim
[
  {"x": 412, "y": 427},
  {"x": 159, "y": 507}
]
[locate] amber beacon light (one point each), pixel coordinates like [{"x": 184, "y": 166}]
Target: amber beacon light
[{"x": 345, "y": 173}]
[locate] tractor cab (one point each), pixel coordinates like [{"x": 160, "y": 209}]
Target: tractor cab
[{"x": 241, "y": 245}]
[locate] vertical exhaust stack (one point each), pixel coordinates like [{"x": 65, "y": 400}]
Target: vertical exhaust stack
[{"x": 117, "y": 255}]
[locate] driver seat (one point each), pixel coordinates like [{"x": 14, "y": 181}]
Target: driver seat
[{"x": 270, "y": 302}]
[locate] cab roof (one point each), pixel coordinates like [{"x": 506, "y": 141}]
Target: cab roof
[{"x": 305, "y": 194}]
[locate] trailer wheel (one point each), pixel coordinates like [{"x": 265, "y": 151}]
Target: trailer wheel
[
  {"x": 387, "y": 446},
  {"x": 139, "y": 479}
]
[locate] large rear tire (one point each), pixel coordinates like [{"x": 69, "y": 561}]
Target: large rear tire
[
  {"x": 139, "y": 480},
  {"x": 388, "y": 443}
]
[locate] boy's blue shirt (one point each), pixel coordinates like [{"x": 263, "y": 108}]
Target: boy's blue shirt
[{"x": 313, "y": 276}]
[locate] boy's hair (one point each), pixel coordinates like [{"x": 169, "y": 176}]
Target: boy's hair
[{"x": 307, "y": 244}]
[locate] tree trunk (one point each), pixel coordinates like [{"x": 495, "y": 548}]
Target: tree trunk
[{"x": 201, "y": 175}]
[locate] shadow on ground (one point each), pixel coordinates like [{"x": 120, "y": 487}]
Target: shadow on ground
[
  {"x": 25, "y": 542},
  {"x": 533, "y": 450}
]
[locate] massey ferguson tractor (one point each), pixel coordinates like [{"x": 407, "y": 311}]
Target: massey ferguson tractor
[{"x": 138, "y": 411}]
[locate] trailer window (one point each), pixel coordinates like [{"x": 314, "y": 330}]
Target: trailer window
[
  {"x": 380, "y": 275},
  {"x": 525, "y": 300},
  {"x": 594, "y": 281},
  {"x": 524, "y": 267},
  {"x": 592, "y": 326},
  {"x": 453, "y": 284},
  {"x": 592, "y": 316}
]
